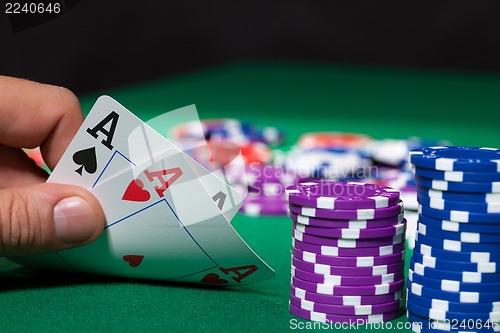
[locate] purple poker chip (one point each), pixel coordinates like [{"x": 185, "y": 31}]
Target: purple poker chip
[
  {"x": 347, "y": 224},
  {"x": 352, "y": 233},
  {"x": 330, "y": 289},
  {"x": 257, "y": 204},
  {"x": 347, "y": 280},
  {"x": 345, "y": 300},
  {"x": 346, "y": 252},
  {"x": 348, "y": 261},
  {"x": 397, "y": 268},
  {"x": 349, "y": 214},
  {"x": 342, "y": 195},
  {"x": 348, "y": 243},
  {"x": 347, "y": 310}
]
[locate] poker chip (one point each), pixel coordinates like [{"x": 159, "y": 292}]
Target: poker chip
[
  {"x": 347, "y": 224},
  {"x": 457, "y": 196},
  {"x": 347, "y": 261},
  {"x": 478, "y": 207},
  {"x": 459, "y": 226},
  {"x": 425, "y": 325},
  {"x": 324, "y": 317},
  {"x": 330, "y": 289},
  {"x": 469, "y": 159},
  {"x": 348, "y": 271},
  {"x": 348, "y": 243},
  {"x": 458, "y": 176},
  {"x": 451, "y": 285},
  {"x": 456, "y": 276},
  {"x": 442, "y": 305},
  {"x": 437, "y": 314},
  {"x": 256, "y": 152},
  {"x": 459, "y": 215},
  {"x": 459, "y": 266},
  {"x": 472, "y": 187},
  {"x": 457, "y": 246},
  {"x": 346, "y": 280},
  {"x": 430, "y": 251},
  {"x": 352, "y": 233},
  {"x": 334, "y": 140},
  {"x": 258, "y": 204},
  {"x": 341, "y": 195},
  {"x": 348, "y": 239},
  {"x": 460, "y": 297},
  {"x": 465, "y": 237},
  {"x": 349, "y": 214},
  {"x": 346, "y": 252},
  {"x": 347, "y": 310}
]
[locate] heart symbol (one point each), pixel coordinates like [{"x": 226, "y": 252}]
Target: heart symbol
[
  {"x": 213, "y": 278},
  {"x": 133, "y": 260},
  {"x": 135, "y": 191}
]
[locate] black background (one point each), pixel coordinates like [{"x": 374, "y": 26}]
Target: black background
[{"x": 100, "y": 44}]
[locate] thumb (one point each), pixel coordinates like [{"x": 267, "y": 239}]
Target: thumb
[{"x": 47, "y": 218}]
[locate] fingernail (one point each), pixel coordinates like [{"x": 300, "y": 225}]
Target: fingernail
[{"x": 74, "y": 220}]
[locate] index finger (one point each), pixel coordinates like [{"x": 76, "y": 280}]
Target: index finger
[{"x": 34, "y": 114}]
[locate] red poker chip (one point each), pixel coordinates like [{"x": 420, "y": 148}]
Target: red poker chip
[{"x": 334, "y": 140}]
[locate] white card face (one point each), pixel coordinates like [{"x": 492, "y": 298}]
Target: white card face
[
  {"x": 112, "y": 139},
  {"x": 161, "y": 224}
]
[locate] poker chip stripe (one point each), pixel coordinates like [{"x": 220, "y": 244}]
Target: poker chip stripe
[
  {"x": 346, "y": 252},
  {"x": 349, "y": 214},
  {"x": 461, "y": 297},
  {"x": 457, "y": 159},
  {"x": 342, "y": 195},
  {"x": 452, "y": 286},
  {"x": 458, "y": 205},
  {"x": 457, "y": 176},
  {"x": 459, "y": 226},
  {"x": 348, "y": 271},
  {"x": 351, "y": 233},
  {"x": 443, "y": 185},
  {"x": 459, "y": 216},
  {"x": 453, "y": 306},
  {"x": 471, "y": 277},
  {"x": 437, "y": 314},
  {"x": 458, "y": 266},
  {"x": 465, "y": 237},
  {"x": 346, "y": 280},
  {"x": 345, "y": 300},
  {"x": 457, "y": 246},
  {"x": 347, "y": 243},
  {"x": 347, "y": 224},
  {"x": 349, "y": 310},
  {"x": 458, "y": 256},
  {"x": 329, "y": 289},
  {"x": 347, "y": 261},
  {"x": 322, "y": 317}
]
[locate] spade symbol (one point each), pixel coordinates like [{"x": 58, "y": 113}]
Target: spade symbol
[{"x": 86, "y": 159}]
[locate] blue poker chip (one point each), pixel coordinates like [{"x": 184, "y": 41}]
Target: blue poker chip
[
  {"x": 451, "y": 275},
  {"x": 458, "y": 226},
  {"x": 452, "y": 306},
  {"x": 460, "y": 297},
  {"x": 426, "y": 325},
  {"x": 471, "y": 159},
  {"x": 464, "y": 237},
  {"x": 459, "y": 215},
  {"x": 478, "y": 207},
  {"x": 459, "y": 196},
  {"x": 458, "y": 176},
  {"x": 430, "y": 251},
  {"x": 457, "y": 266},
  {"x": 451, "y": 285},
  {"x": 468, "y": 187},
  {"x": 436, "y": 314},
  {"x": 457, "y": 246}
]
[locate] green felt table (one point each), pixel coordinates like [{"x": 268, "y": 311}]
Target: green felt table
[{"x": 461, "y": 107}]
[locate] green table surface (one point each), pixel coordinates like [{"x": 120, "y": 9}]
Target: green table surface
[{"x": 461, "y": 107}]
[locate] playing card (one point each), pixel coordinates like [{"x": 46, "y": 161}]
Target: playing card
[{"x": 112, "y": 139}]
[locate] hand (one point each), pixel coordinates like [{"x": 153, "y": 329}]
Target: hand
[{"x": 36, "y": 217}]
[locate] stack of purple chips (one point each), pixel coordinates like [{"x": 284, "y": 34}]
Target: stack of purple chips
[{"x": 348, "y": 252}]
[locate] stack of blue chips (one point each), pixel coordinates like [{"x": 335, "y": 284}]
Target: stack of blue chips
[{"x": 454, "y": 281}]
